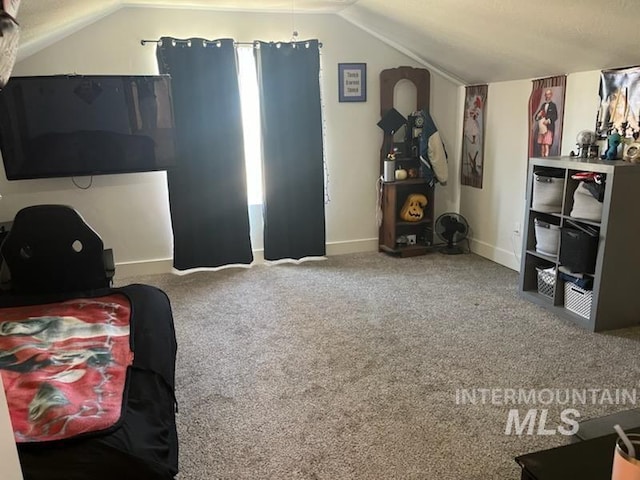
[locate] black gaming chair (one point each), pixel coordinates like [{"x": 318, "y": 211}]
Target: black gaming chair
[{"x": 50, "y": 249}]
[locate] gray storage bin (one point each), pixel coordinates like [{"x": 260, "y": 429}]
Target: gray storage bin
[
  {"x": 585, "y": 205},
  {"x": 547, "y": 193},
  {"x": 547, "y": 237}
]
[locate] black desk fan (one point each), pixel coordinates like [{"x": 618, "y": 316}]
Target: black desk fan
[{"x": 452, "y": 228}]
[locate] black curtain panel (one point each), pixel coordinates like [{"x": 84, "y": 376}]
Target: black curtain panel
[
  {"x": 207, "y": 189},
  {"x": 293, "y": 170}
]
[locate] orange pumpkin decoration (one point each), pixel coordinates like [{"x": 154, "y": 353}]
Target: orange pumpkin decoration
[{"x": 412, "y": 211}]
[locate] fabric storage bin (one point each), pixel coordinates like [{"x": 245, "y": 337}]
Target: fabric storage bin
[
  {"x": 580, "y": 279},
  {"x": 547, "y": 191},
  {"x": 578, "y": 250},
  {"x": 585, "y": 205},
  {"x": 577, "y": 299},
  {"x": 546, "y": 281},
  {"x": 547, "y": 237}
]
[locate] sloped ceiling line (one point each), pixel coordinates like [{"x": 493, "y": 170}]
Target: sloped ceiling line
[
  {"x": 35, "y": 44},
  {"x": 405, "y": 51},
  {"x": 465, "y": 41},
  {"x": 45, "y": 22}
]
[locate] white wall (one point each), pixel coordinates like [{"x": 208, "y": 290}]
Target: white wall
[
  {"x": 494, "y": 210},
  {"x": 8, "y": 451},
  {"x": 131, "y": 211}
]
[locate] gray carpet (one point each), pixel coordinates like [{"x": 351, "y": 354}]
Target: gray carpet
[{"x": 348, "y": 368}]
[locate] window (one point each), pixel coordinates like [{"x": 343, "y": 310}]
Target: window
[{"x": 250, "y": 105}]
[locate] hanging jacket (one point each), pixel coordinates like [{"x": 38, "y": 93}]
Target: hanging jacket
[{"x": 432, "y": 152}]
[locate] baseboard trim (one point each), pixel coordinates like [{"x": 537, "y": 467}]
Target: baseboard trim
[
  {"x": 165, "y": 265},
  {"x": 353, "y": 246},
  {"x": 155, "y": 267},
  {"x": 146, "y": 267},
  {"x": 495, "y": 254}
]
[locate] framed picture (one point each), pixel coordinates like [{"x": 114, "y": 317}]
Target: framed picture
[
  {"x": 546, "y": 112},
  {"x": 352, "y": 82}
]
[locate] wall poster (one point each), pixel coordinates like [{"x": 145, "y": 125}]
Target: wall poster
[
  {"x": 619, "y": 102},
  {"x": 546, "y": 111},
  {"x": 475, "y": 104}
]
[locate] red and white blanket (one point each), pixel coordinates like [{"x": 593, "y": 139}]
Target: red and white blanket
[{"x": 64, "y": 366}]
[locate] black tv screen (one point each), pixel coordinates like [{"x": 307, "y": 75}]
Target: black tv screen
[{"x": 73, "y": 125}]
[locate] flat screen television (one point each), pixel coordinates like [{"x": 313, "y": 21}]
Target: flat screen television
[{"x": 74, "y": 125}]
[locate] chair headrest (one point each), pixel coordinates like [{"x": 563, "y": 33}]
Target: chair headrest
[{"x": 50, "y": 248}]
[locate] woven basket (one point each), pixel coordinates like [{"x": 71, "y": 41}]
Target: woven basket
[
  {"x": 547, "y": 194},
  {"x": 547, "y": 237}
]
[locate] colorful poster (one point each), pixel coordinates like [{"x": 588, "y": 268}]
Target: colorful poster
[
  {"x": 546, "y": 111},
  {"x": 473, "y": 136},
  {"x": 619, "y": 102}
]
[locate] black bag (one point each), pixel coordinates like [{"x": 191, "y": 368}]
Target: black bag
[{"x": 596, "y": 189}]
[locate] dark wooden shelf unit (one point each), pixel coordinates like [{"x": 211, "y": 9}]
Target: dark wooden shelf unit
[
  {"x": 393, "y": 227},
  {"x": 395, "y": 193}
]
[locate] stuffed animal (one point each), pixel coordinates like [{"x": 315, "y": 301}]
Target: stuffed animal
[
  {"x": 612, "y": 146},
  {"x": 412, "y": 211}
]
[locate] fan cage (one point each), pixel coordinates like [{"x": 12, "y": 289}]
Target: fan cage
[{"x": 458, "y": 237}]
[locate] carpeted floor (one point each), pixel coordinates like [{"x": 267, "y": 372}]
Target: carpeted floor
[{"x": 348, "y": 368}]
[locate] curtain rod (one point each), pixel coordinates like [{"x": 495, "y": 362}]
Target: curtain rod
[{"x": 145, "y": 41}]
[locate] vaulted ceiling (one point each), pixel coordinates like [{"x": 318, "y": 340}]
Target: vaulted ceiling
[{"x": 471, "y": 41}]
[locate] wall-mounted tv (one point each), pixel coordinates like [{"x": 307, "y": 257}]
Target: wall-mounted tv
[{"x": 74, "y": 125}]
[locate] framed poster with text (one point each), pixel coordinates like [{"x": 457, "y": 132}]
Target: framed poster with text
[{"x": 352, "y": 82}]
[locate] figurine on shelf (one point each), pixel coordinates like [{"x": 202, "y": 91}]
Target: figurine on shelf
[
  {"x": 613, "y": 142},
  {"x": 400, "y": 174}
]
